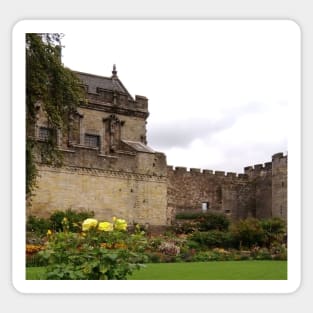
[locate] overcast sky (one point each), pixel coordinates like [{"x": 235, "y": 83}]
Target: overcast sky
[{"x": 219, "y": 91}]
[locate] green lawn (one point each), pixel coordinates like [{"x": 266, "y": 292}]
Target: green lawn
[{"x": 228, "y": 270}]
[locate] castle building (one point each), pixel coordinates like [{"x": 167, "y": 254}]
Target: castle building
[{"x": 109, "y": 168}]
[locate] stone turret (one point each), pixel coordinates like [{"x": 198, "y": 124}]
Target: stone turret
[{"x": 279, "y": 185}]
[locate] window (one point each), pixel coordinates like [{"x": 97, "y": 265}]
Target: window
[
  {"x": 44, "y": 133},
  {"x": 92, "y": 141}
]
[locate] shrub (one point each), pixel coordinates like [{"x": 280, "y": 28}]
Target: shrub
[
  {"x": 201, "y": 222},
  {"x": 213, "y": 221},
  {"x": 169, "y": 248},
  {"x": 73, "y": 218},
  {"x": 212, "y": 255},
  {"x": 191, "y": 244},
  {"x": 154, "y": 257},
  {"x": 93, "y": 254},
  {"x": 37, "y": 226},
  {"x": 186, "y": 255},
  {"x": 185, "y": 227},
  {"x": 274, "y": 230},
  {"x": 248, "y": 233},
  {"x": 279, "y": 252},
  {"x": 212, "y": 239}
]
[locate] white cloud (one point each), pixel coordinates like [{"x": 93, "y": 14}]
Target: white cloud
[{"x": 219, "y": 91}]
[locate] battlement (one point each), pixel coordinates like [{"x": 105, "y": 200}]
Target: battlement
[
  {"x": 141, "y": 102},
  {"x": 179, "y": 170},
  {"x": 279, "y": 158},
  {"x": 258, "y": 168}
]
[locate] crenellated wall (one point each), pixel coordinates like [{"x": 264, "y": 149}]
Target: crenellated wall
[
  {"x": 217, "y": 191},
  {"x": 260, "y": 192}
]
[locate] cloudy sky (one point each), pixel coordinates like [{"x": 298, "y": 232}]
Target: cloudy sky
[{"x": 220, "y": 92}]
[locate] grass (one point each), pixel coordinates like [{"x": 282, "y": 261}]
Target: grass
[{"x": 228, "y": 270}]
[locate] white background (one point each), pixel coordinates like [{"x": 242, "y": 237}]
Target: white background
[{"x": 14, "y": 11}]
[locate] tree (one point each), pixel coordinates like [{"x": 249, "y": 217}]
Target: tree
[
  {"x": 248, "y": 232},
  {"x": 53, "y": 88},
  {"x": 274, "y": 230}
]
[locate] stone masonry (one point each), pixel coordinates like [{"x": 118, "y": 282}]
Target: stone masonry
[
  {"x": 108, "y": 168},
  {"x": 260, "y": 192}
]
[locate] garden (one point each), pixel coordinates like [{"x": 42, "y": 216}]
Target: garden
[{"x": 72, "y": 245}]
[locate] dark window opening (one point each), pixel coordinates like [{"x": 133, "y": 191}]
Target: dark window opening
[
  {"x": 92, "y": 141},
  {"x": 45, "y": 133}
]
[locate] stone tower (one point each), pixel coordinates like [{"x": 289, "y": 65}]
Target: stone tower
[{"x": 279, "y": 186}]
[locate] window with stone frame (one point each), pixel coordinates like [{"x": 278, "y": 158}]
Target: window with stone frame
[
  {"x": 92, "y": 141},
  {"x": 44, "y": 133}
]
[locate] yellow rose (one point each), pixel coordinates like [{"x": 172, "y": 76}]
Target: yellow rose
[
  {"x": 89, "y": 223},
  {"x": 49, "y": 232},
  {"x": 105, "y": 226},
  {"x": 120, "y": 224}
]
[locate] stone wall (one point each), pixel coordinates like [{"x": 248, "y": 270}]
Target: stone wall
[
  {"x": 92, "y": 122},
  {"x": 136, "y": 197},
  {"x": 260, "y": 192},
  {"x": 280, "y": 185},
  {"x": 260, "y": 178},
  {"x": 195, "y": 190}
]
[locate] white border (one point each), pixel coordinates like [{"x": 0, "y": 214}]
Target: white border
[{"x": 139, "y": 287}]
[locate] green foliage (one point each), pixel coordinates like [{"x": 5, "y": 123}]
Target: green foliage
[
  {"x": 205, "y": 256},
  {"x": 56, "y": 89},
  {"x": 279, "y": 252},
  {"x": 212, "y": 239},
  {"x": 213, "y": 221},
  {"x": 201, "y": 222},
  {"x": 248, "y": 233},
  {"x": 73, "y": 218},
  {"x": 38, "y": 226},
  {"x": 31, "y": 171},
  {"x": 261, "y": 254},
  {"x": 93, "y": 255},
  {"x": 35, "y": 260},
  {"x": 187, "y": 227},
  {"x": 191, "y": 244},
  {"x": 274, "y": 230}
]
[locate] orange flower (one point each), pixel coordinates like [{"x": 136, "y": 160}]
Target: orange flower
[{"x": 30, "y": 249}]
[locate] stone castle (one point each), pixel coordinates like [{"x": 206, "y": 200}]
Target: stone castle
[{"x": 108, "y": 168}]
